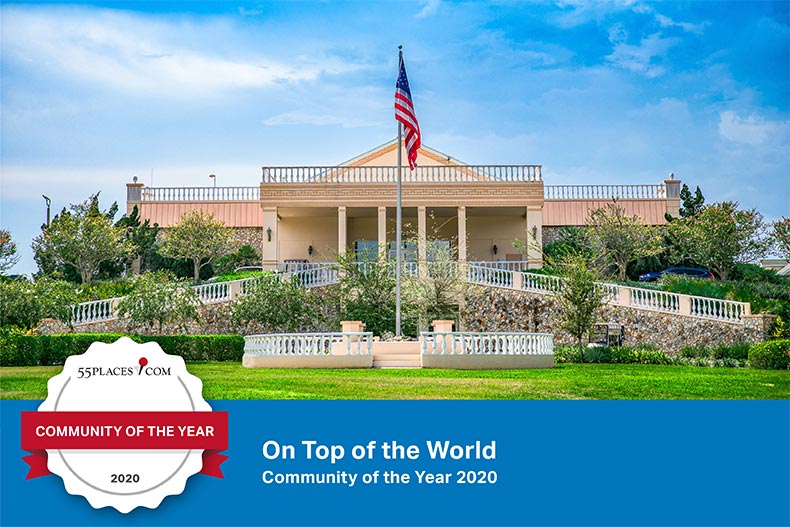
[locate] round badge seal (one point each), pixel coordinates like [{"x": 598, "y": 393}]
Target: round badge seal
[{"x": 124, "y": 425}]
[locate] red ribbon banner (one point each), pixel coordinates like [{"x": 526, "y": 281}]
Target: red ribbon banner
[{"x": 124, "y": 431}]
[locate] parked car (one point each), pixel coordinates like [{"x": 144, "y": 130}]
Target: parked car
[{"x": 692, "y": 272}]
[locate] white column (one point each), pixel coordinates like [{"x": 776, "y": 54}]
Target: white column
[
  {"x": 421, "y": 239},
  {"x": 270, "y": 243},
  {"x": 462, "y": 235},
  {"x": 382, "y": 232},
  {"x": 342, "y": 241},
  {"x": 534, "y": 236}
]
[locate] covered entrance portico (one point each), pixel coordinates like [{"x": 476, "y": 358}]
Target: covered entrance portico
[{"x": 318, "y": 234}]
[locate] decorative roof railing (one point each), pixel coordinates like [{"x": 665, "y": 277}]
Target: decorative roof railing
[
  {"x": 604, "y": 191},
  {"x": 389, "y": 174},
  {"x": 465, "y": 174},
  {"x": 200, "y": 194}
]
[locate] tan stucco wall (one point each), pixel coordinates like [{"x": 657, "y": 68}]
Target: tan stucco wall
[
  {"x": 296, "y": 234},
  {"x": 485, "y": 232}
]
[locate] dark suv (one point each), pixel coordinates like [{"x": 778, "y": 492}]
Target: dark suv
[{"x": 692, "y": 272}]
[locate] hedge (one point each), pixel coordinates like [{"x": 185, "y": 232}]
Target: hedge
[
  {"x": 44, "y": 350},
  {"x": 771, "y": 355}
]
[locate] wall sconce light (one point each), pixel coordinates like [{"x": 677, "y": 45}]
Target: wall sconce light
[
  {"x": 495, "y": 249},
  {"x": 269, "y": 233},
  {"x": 310, "y": 250},
  {"x": 534, "y": 232}
]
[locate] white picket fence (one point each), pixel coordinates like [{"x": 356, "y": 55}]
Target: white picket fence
[
  {"x": 352, "y": 343},
  {"x": 486, "y": 343}
]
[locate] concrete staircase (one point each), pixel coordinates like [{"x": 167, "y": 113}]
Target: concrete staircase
[{"x": 396, "y": 355}]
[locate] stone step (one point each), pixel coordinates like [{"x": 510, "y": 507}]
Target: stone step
[
  {"x": 397, "y": 364},
  {"x": 397, "y": 351},
  {"x": 396, "y": 356}
]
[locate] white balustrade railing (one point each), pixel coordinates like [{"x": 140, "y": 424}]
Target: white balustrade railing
[
  {"x": 604, "y": 191},
  {"x": 200, "y": 194},
  {"x": 478, "y": 274},
  {"x": 94, "y": 311},
  {"x": 316, "y": 277},
  {"x": 389, "y": 174},
  {"x": 352, "y": 343},
  {"x": 654, "y": 300},
  {"x": 726, "y": 310},
  {"x": 650, "y": 299},
  {"x": 317, "y": 274},
  {"x": 508, "y": 265},
  {"x": 486, "y": 343},
  {"x": 540, "y": 283},
  {"x": 214, "y": 292}
]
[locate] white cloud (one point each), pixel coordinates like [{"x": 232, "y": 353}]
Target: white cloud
[
  {"x": 668, "y": 109},
  {"x": 142, "y": 54},
  {"x": 430, "y": 8},
  {"x": 299, "y": 117},
  {"x": 255, "y": 11},
  {"x": 578, "y": 12},
  {"x": 665, "y": 21},
  {"x": 750, "y": 130},
  {"x": 640, "y": 58}
]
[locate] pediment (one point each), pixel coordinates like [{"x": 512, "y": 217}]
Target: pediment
[{"x": 381, "y": 161}]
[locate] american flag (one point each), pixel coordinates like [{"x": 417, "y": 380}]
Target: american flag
[{"x": 404, "y": 112}]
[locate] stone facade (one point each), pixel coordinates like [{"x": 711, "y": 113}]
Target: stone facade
[
  {"x": 490, "y": 309},
  {"x": 252, "y": 236}
]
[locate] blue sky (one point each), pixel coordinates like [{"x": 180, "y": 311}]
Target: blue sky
[{"x": 597, "y": 92}]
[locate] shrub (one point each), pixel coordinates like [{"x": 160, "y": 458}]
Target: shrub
[
  {"x": 20, "y": 349},
  {"x": 738, "y": 351},
  {"x": 772, "y": 355},
  {"x": 159, "y": 299},
  {"x": 278, "y": 305},
  {"x": 103, "y": 290},
  {"x": 24, "y": 303},
  {"x": 616, "y": 355}
]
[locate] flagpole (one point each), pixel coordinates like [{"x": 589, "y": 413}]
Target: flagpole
[{"x": 398, "y": 217}]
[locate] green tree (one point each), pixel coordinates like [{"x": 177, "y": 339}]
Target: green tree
[
  {"x": 434, "y": 293},
  {"x": 245, "y": 256},
  {"x": 197, "y": 237},
  {"x": 367, "y": 291},
  {"x": 142, "y": 235},
  {"x": 82, "y": 239},
  {"x": 278, "y": 305},
  {"x": 719, "y": 237},
  {"x": 690, "y": 205},
  {"x": 159, "y": 299},
  {"x": 579, "y": 299},
  {"x": 24, "y": 303},
  {"x": 622, "y": 238},
  {"x": 781, "y": 237},
  {"x": 8, "y": 256}
]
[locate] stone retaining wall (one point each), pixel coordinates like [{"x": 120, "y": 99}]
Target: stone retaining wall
[
  {"x": 492, "y": 309},
  {"x": 249, "y": 236}
]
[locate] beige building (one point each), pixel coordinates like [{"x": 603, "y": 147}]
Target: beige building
[{"x": 309, "y": 214}]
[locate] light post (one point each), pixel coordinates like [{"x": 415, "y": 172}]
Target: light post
[
  {"x": 213, "y": 178},
  {"x": 49, "y": 202}
]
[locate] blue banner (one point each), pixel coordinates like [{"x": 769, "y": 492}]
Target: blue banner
[{"x": 558, "y": 463}]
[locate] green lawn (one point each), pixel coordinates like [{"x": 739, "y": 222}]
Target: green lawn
[{"x": 565, "y": 381}]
